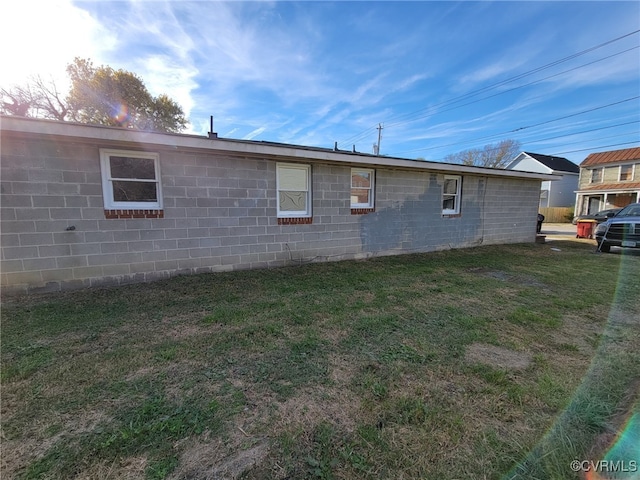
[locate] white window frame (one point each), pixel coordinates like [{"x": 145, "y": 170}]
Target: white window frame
[
  {"x": 632, "y": 176},
  {"x": 372, "y": 177},
  {"x": 457, "y": 195},
  {"x": 599, "y": 171},
  {"x": 280, "y": 167},
  {"x": 107, "y": 187}
]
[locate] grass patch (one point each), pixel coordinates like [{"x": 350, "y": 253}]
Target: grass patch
[{"x": 493, "y": 362}]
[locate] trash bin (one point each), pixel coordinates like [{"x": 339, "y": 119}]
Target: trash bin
[
  {"x": 585, "y": 228},
  {"x": 539, "y": 224}
]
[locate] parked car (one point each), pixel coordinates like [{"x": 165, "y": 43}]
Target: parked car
[
  {"x": 599, "y": 217},
  {"x": 620, "y": 230}
]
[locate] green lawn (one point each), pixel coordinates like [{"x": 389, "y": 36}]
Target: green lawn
[{"x": 492, "y": 362}]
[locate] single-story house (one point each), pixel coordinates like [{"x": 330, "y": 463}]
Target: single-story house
[
  {"x": 560, "y": 193},
  {"x": 89, "y": 205},
  {"x": 608, "y": 180}
]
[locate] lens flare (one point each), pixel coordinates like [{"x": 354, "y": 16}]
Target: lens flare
[
  {"x": 622, "y": 460},
  {"x": 120, "y": 114}
]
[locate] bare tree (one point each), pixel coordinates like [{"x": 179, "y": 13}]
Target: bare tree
[
  {"x": 17, "y": 101},
  {"x": 49, "y": 100},
  {"x": 497, "y": 155}
]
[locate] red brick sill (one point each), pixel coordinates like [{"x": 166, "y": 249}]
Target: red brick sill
[
  {"x": 362, "y": 211},
  {"x": 295, "y": 220},
  {"x": 111, "y": 214}
]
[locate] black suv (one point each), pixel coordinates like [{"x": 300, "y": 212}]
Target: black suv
[{"x": 620, "y": 230}]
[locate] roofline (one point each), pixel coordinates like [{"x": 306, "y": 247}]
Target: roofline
[
  {"x": 247, "y": 148},
  {"x": 545, "y": 155},
  {"x": 532, "y": 156},
  {"x": 588, "y": 162},
  {"x": 609, "y": 190}
]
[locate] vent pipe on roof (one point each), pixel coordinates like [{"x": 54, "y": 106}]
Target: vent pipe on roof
[{"x": 211, "y": 133}]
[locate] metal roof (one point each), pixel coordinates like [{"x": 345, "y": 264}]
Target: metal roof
[
  {"x": 614, "y": 156},
  {"x": 617, "y": 187}
]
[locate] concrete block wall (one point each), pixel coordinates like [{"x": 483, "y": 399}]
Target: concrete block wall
[
  {"x": 510, "y": 210},
  {"x": 220, "y": 214}
]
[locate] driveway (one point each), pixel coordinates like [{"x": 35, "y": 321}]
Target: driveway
[
  {"x": 567, "y": 231},
  {"x": 559, "y": 231}
]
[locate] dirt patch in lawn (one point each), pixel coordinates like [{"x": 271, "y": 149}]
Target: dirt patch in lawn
[
  {"x": 524, "y": 280},
  {"x": 335, "y": 405},
  {"x": 206, "y": 460},
  {"x": 132, "y": 468},
  {"x": 578, "y": 333},
  {"x": 498, "y": 357},
  {"x": 19, "y": 453}
]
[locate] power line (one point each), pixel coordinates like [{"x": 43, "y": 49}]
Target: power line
[
  {"x": 484, "y": 150},
  {"x": 626, "y": 134},
  {"x": 583, "y": 131},
  {"x": 358, "y": 136},
  {"x": 486, "y": 137},
  {"x": 571, "y": 134},
  {"x": 408, "y": 117},
  {"x": 515, "y": 88},
  {"x": 597, "y": 148},
  {"x": 576, "y": 114}
]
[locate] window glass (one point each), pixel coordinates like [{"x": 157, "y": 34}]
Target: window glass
[
  {"x": 596, "y": 175},
  {"x": 293, "y": 201},
  {"x": 294, "y": 194},
  {"x": 134, "y": 191},
  {"x": 359, "y": 196},
  {"x": 449, "y": 202},
  {"x": 451, "y": 186},
  {"x": 293, "y": 179},
  {"x": 130, "y": 180},
  {"x": 626, "y": 172},
  {"x": 126, "y": 167},
  {"x": 362, "y": 188},
  {"x": 451, "y": 195}
]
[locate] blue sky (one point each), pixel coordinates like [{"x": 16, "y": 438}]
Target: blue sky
[{"x": 562, "y": 78}]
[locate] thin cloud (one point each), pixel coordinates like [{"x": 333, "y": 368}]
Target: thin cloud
[
  {"x": 254, "y": 133},
  {"x": 314, "y": 73}
]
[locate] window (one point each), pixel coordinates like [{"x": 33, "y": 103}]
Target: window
[
  {"x": 362, "y": 189},
  {"x": 130, "y": 182},
  {"x": 451, "y": 195},
  {"x": 596, "y": 175},
  {"x": 294, "y": 190},
  {"x": 626, "y": 173}
]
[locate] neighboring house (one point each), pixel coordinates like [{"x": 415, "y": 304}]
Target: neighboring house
[
  {"x": 87, "y": 205},
  {"x": 608, "y": 180},
  {"x": 559, "y": 193}
]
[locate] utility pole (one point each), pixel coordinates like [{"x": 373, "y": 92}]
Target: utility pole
[{"x": 377, "y": 148}]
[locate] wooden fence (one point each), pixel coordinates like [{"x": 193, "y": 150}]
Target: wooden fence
[{"x": 557, "y": 214}]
